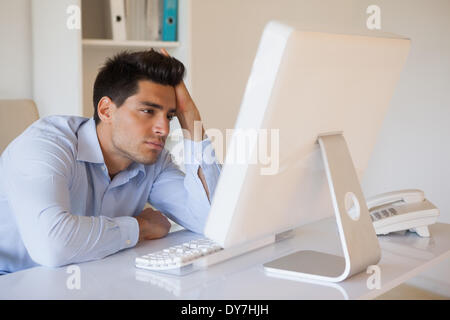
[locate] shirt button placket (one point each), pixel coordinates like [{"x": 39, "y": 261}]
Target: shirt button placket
[{"x": 102, "y": 201}]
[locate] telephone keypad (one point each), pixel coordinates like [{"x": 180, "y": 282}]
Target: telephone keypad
[
  {"x": 393, "y": 211},
  {"x": 377, "y": 215},
  {"x": 385, "y": 213}
]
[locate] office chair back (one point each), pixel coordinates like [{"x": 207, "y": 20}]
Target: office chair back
[{"x": 15, "y": 117}]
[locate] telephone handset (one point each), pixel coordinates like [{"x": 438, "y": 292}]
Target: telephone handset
[{"x": 402, "y": 210}]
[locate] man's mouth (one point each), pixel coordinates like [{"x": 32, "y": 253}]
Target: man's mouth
[{"x": 155, "y": 144}]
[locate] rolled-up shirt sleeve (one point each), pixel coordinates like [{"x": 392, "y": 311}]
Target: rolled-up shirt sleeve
[
  {"x": 38, "y": 174},
  {"x": 181, "y": 195}
]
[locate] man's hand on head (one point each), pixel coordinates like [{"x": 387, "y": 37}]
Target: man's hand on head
[
  {"x": 152, "y": 224},
  {"x": 187, "y": 112}
]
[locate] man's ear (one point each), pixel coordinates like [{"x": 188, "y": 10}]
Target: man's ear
[{"x": 105, "y": 109}]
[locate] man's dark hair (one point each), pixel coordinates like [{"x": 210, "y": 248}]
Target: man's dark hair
[{"x": 118, "y": 78}]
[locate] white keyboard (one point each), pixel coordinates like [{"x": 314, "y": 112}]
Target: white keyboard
[{"x": 175, "y": 259}]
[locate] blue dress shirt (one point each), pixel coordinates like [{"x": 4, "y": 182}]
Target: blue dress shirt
[{"x": 59, "y": 206}]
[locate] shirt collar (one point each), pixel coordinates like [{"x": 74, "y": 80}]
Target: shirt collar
[
  {"x": 136, "y": 167},
  {"x": 88, "y": 146}
]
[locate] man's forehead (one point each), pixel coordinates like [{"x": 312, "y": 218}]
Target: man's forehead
[
  {"x": 147, "y": 85},
  {"x": 153, "y": 93}
]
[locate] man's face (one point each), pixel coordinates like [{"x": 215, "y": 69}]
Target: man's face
[{"x": 141, "y": 124}]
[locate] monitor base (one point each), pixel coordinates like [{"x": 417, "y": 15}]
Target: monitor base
[{"x": 357, "y": 234}]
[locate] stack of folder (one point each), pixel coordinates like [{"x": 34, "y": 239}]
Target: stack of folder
[{"x": 148, "y": 20}]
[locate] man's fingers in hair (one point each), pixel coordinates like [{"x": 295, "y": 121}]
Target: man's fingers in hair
[{"x": 164, "y": 52}]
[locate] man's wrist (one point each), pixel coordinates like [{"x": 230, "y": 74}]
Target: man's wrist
[
  {"x": 192, "y": 126},
  {"x": 141, "y": 224}
]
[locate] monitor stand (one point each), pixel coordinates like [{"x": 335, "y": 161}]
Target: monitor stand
[{"x": 357, "y": 234}]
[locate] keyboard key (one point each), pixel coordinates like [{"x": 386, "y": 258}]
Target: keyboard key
[{"x": 177, "y": 256}]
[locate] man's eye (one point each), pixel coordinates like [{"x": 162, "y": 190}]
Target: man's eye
[
  {"x": 148, "y": 111},
  {"x": 170, "y": 116}
]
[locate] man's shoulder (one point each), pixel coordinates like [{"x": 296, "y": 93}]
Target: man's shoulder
[
  {"x": 58, "y": 125},
  {"x": 56, "y": 128},
  {"x": 54, "y": 132},
  {"x": 50, "y": 141}
]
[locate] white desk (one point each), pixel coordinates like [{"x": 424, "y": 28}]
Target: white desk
[{"x": 115, "y": 277}]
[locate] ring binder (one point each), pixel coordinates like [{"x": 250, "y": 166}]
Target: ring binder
[
  {"x": 116, "y": 28},
  {"x": 170, "y": 16}
]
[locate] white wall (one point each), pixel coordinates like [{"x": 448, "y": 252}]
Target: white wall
[
  {"x": 57, "y": 71},
  {"x": 32, "y": 48},
  {"x": 413, "y": 149},
  {"x": 15, "y": 49}
]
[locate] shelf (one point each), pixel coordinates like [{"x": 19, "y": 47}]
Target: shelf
[{"x": 108, "y": 43}]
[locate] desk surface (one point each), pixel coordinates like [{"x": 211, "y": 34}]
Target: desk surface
[{"x": 243, "y": 277}]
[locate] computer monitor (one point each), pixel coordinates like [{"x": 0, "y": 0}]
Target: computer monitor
[{"x": 308, "y": 85}]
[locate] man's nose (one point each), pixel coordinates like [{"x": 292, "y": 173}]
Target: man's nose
[{"x": 161, "y": 126}]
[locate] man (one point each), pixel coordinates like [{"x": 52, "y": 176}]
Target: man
[{"x": 73, "y": 189}]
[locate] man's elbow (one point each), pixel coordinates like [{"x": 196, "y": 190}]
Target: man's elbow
[{"x": 49, "y": 256}]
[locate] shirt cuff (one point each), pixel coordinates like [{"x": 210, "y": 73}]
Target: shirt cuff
[{"x": 129, "y": 231}]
